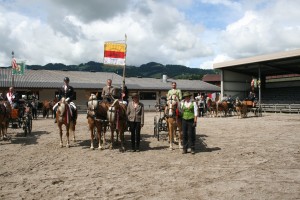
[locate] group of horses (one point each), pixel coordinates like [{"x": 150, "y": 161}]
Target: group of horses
[
  {"x": 240, "y": 108},
  {"x": 101, "y": 116}
]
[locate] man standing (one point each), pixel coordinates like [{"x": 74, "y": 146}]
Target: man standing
[{"x": 174, "y": 91}]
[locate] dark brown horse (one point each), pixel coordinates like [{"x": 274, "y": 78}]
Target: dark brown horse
[
  {"x": 4, "y": 119},
  {"x": 63, "y": 117},
  {"x": 97, "y": 118}
]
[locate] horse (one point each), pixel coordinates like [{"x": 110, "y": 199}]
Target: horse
[
  {"x": 97, "y": 118},
  {"x": 117, "y": 118},
  {"x": 63, "y": 117},
  {"x": 173, "y": 121},
  {"x": 47, "y": 107},
  {"x": 211, "y": 105},
  {"x": 239, "y": 108},
  {"x": 4, "y": 120},
  {"x": 217, "y": 106}
]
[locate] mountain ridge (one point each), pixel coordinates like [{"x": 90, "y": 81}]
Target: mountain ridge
[{"x": 149, "y": 70}]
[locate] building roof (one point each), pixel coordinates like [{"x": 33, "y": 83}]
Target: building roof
[
  {"x": 94, "y": 80},
  {"x": 212, "y": 78},
  {"x": 287, "y": 62}
]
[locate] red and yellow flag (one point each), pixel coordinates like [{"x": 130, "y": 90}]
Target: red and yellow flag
[{"x": 114, "y": 53}]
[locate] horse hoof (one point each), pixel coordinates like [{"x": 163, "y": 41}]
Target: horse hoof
[
  {"x": 68, "y": 146},
  {"x": 92, "y": 148},
  {"x": 171, "y": 148}
]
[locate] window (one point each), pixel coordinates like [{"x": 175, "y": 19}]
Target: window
[{"x": 148, "y": 95}]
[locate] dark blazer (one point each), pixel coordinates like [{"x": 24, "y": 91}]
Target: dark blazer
[
  {"x": 69, "y": 93},
  {"x": 135, "y": 114}
]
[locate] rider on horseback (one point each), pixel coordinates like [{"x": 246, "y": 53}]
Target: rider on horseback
[
  {"x": 174, "y": 91},
  {"x": 67, "y": 92}
]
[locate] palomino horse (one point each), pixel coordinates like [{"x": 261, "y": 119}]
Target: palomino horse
[
  {"x": 63, "y": 117},
  {"x": 97, "y": 118},
  {"x": 4, "y": 120},
  {"x": 117, "y": 118},
  {"x": 173, "y": 120}
]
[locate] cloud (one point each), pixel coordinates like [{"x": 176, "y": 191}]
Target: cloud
[{"x": 194, "y": 33}]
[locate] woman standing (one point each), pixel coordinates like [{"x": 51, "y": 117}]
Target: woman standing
[
  {"x": 189, "y": 111},
  {"x": 135, "y": 113}
]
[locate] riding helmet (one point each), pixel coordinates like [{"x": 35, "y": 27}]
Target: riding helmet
[{"x": 67, "y": 79}]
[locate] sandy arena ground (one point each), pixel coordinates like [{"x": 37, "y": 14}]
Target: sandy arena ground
[{"x": 252, "y": 158}]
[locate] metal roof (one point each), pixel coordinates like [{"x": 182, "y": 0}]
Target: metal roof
[
  {"x": 94, "y": 80},
  {"x": 287, "y": 62}
]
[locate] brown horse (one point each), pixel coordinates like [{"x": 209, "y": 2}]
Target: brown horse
[
  {"x": 216, "y": 107},
  {"x": 173, "y": 121},
  {"x": 117, "y": 118},
  {"x": 63, "y": 117},
  {"x": 97, "y": 118},
  {"x": 4, "y": 120}
]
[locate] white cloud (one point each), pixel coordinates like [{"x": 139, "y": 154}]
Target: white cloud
[{"x": 73, "y": 32}]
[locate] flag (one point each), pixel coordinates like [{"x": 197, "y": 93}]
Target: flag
[
  {"x": 17, "y": 68},
  {"x": 114, "y": 53}
]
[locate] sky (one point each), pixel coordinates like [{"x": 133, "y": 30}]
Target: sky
[{"x": 193, "y": 33}]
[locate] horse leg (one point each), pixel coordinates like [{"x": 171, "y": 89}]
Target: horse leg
[
  {"x": 60, "y": 135},
  {"x": 72, "y": 128},
  {"x": 171, "y": 133},
  {"x": 67, "y": 134},
  {"x": 112, "y": 127},
  {"x": 179, "y": 134},
  {"x": 99, "y": 129}
]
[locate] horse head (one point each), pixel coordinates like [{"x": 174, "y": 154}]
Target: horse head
[
  {"x": 112, "y": 111},
  {"x": 171, "y": 107},
  {"x": 61, "y": 109},
  {"x": 92, "y": 105}
]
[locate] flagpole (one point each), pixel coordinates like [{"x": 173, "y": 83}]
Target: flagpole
[
  {"x": 12, "y": 75},
  {"x": 123, "y": 84}
]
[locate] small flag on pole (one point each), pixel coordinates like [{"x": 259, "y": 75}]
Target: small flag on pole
[
  {"x": 115, "y": 53},
  {"x": 17, "y": 68}
]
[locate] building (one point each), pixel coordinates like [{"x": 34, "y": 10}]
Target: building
[{"x": 44, "y": 85}]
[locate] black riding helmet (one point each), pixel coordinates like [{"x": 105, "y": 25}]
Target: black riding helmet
[{"x": 67, "y": 79}]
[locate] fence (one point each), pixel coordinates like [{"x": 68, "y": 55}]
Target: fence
[{"x": 281, "y": 108}]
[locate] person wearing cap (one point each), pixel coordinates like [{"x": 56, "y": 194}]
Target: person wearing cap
[
  {"x": 67, "y": 92},
  {"x": 189, "y": 111},
  {"x": 174, "y": 91},
  {"x": 135, "y": 114}
]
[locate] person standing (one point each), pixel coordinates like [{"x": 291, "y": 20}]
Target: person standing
[
  {"x": 189, "y": 111},
  {"x": 174, "y": 91},
  {"x": 135, "y": 114},
  {"x": 34, "y": 105}
]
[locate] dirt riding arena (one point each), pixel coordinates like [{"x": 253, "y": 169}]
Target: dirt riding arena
[{"x": 251, "y": 158}]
